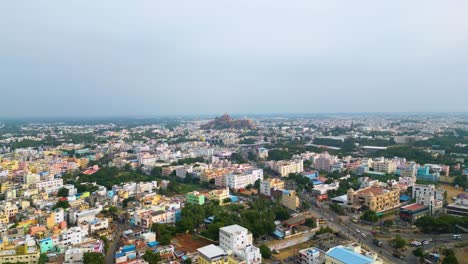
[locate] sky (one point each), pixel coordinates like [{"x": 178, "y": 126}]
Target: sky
[{"x": 151, "y": 57}]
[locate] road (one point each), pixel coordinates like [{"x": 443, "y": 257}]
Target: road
[
  {"x": 120, "y": 226},
  {"x": 385, "y": 252}
]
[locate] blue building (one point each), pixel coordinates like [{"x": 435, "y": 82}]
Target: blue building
[{"x": 423, "y": 173}]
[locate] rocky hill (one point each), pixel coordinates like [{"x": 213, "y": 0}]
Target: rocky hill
[{"x": 225, "y": 122}]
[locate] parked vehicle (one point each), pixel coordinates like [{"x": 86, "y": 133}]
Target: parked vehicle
[
  {"x": 456, "y": 236},
  {"x": 426, "y": 242},
  {"x": 377, "y": 242}
]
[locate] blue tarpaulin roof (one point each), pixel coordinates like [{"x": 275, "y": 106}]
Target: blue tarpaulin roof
[
  {"x": 278, "y": 233},
  {"x": 405, "y": 198}
]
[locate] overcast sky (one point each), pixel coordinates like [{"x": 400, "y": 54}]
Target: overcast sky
[{"x": 145, "y": 58}]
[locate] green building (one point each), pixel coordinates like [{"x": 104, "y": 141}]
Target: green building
[{"x": 195, "y": 198}]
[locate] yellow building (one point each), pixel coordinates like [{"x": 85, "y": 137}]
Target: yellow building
[
  {"x": 284, "y": 168},
  {"x": 219, "y": 195},
  {"x": 20, "y": 254},
  {"x": 4, "y": 219},
  {"x": 290, "y": 200},
  {"x": 377, "y": 199}
]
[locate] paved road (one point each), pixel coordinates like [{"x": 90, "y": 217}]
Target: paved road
[{"x": 385, "y": 252}]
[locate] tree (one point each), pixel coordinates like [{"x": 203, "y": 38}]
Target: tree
[
  {"x": 165, "y": 239},
  {"x": 212, "y": 181},
  {"x": 388, "y": 223},
  {"x": 419, "y": 252},
  {"x": 249, "y": 186},
  {"x": 43, "y": 258},
  {"x": 265, "y": 251},
  {"x": 449, "y": 257},
  {"x": 311, "y": 222},
  {"x": 370, "y": 216},
  {"x": 398, "y": 242},
  {"x": 257, "y": 184},
  {"x": 151, "y": 257},
  {"x": 61, "y": 204},
  {"x": 187, "y": 261},
  {"x": 113, "y": 210},
  {"x": 63, "y": 192},
  {"x": 93, "y": 258}
]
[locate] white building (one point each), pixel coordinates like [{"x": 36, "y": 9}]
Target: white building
[
  {"x": 73, "y": 236},
  {"x": 239, "y": 181},
  {"x": 271, "y": 183},
  {"x": 284, "y": 168},
  {"x": 50, "y": 186},
  {"x": 234, "y": 237},
  {"x": 311, "y": 255},
  {"x": 430, "y": 196}
]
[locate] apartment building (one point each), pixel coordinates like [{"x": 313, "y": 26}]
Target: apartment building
[
  {"x": 377, "y": 199},
  {"x": 219, "y": 195},
  {"x": 385, "y": 166},
  {"x": 238, "y": 239},
  {"x": 284, "y": 168},
  {"x": 271, "y": 183},
  {"x": 430, "y": 196},
  {"x": 212, "y": 254},
  {"x": 240, "y": 181},
  {"x": 195, "y": 198},
  {"x": 311, "y": 255},
  {"x": 50, "y": 186}
]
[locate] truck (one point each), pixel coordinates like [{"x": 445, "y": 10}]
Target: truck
[{"x": 377, "y": 242}]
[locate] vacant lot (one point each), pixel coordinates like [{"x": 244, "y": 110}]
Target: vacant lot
[
  {"x": 451, "y": 191},
  {"x": 189, "y": 243}
]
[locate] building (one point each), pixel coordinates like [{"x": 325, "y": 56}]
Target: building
[
  {"x": 413, "y": 212},
  {"x": 284, "y": 168},
  {"x": 311, "y": 255},
  {"x": 352, "y": 254},
  {"x": 240, "y": 181},
  {"x": 459, "y": 207},
  {"x": 262, "y": 153},
  {"x": 195, "y": 198},
  {"x": 430, "y": 196},
  {"x": 271, "y": 183},
  {"x": 212, "y": 254},
  {"x": 377, "y": 199},
  {"x": 290, "y": 200},
  {"x": 320, "y": 192},
  {"x": 324, "y": 162},
  {"x": 238, "y": 240},
  {"x": 219, "y": 195},
  {"x": 234, "y": 237},
  {"x": 423, "y": 173},
  {"x": 386, "y": 166}
]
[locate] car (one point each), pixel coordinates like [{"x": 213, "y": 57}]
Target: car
[
  {"x": 357, "y": 230},
  {"x": 426, "y": 242},
  {"x": 456, "y": 236}
]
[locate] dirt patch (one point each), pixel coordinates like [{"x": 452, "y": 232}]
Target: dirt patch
[
  {"x": 189, "y": 243},
  {"x": 451, "y": 192},
  {"x": 461, "y": 254}
]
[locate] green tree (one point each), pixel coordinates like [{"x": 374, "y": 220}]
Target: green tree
[
  {"x": 265, "y": 251},
  {"x": 61, "y": 204},
  {"x": 370, "y": 216},
  {"x": 398, "y": 242},
  {"x": 311, "y": 222},
  {"x": 419, "y": 252},
  {"x": 43, "y": 258},
  {"x": 93, "y": 258},
  {"x": 257, "y": 184},
  {"x": 151, "y": 257},
  {"x": 63, "y": 192}
]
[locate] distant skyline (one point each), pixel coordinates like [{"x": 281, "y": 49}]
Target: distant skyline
[{"x": 157, "y": 58}]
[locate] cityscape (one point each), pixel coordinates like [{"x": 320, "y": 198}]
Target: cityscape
[
  {"x": 233, "y": 132},
  {"x": 329, "y": 188}
]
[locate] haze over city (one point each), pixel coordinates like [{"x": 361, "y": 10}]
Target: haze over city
[{"x": 113, "y": 58}]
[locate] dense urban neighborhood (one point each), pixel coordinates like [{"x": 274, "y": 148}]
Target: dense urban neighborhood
[{"x": 306, "y": 189}]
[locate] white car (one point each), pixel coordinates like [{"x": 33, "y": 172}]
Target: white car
[
  {"x": 426, "y": 242},
  {"x": 357, "y": 230}
]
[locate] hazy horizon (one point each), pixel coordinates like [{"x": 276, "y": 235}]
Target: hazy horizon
[{"x": 157, "y": 58}]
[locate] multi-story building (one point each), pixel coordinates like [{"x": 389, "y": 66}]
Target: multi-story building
[
  {"x": 377, "y": 199},
  {"x": 212, "y": 254},
  {"x": 311, "y": 255},
  {"x": 234, "y": 237},
  {"x": 195, "y": 198},
  {"x": 413, "y": 212},
  {"x": 324, "y": 162},
  {"x": 219, "y": 195},
  {"x": 430, "y": 196},
  {"x": 284, "y": 168},
  {"x": 386, "y": 166},
  {"x": 238, "y": 239},
  {"x": 240, "y": 181},
  {"x": 290, "y": 200},
  {"x": 50, "y": 186},
  {"x": 73, "y": 236},
  {"x": 459, "y": 207},
  {"x": 270, "y": 183}
]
